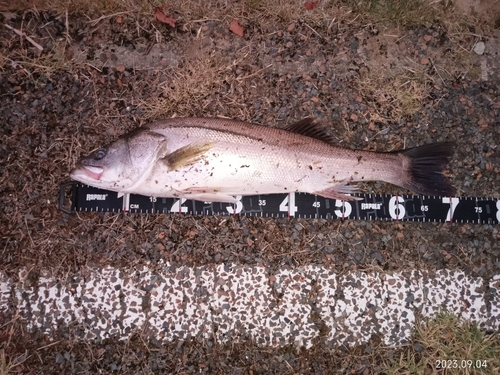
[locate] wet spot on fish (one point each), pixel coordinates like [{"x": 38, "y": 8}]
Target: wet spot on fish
[
  {"x": 156, "y": 181},
  {"x": 310, "y": 167},
  {"x": 359, "y": 158},
  {"x": 211, "y": 174},
  {"x": 356, "y": 172},
  {"x": 244, "y": 166}
]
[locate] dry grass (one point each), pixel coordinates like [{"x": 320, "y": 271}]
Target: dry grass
[
  {"x": 11, "y": 356},
  {"x": 188, "y": 90},
  {"x": 82, "y": 7},
  {"x": 398, "y": 12},
  {"x": 446, "y": 338},
  {"x": 395, "y": 96},
  {"x": 45, "y": 64},
  {"x": 400, "y": 90}
]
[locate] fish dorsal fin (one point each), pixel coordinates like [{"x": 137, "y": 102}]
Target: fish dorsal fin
[{"x": 310, "y": 128}]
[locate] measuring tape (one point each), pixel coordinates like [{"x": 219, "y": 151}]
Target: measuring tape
[{"x": 85, "y": 198}]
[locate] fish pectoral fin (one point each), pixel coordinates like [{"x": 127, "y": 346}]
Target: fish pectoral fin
[
  {"x": 339, "y": 192},
  {"x": 210, "y": 197},
  {"x": 186, "y": 155}
]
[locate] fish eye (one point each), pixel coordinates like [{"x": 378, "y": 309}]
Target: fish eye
[{"x": 100, "y": 153}]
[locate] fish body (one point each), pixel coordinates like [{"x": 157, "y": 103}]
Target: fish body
[{"x": 217, "y": 159}]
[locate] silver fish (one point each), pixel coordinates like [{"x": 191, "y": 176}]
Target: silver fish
[{"x": 213, "y": 160}]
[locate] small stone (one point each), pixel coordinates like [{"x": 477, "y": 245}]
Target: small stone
[
  {"x": 354, "y": 117},
  {"x": 120, "y": 68},
  {"x": 59, "y": 358},
  {"x": 418, "y": 347},
  {"x": 427, "y": 37},
  {"x": 479, "y": 48},
  {"x": 315, "y": 99},
  {"x": 290, "y": 27},
  {"x": 424, "y": 61}
]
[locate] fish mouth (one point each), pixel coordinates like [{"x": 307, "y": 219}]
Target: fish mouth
[{"x": 94, "y": 173}]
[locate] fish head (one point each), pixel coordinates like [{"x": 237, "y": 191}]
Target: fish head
[{"x": 121, "y": 164}]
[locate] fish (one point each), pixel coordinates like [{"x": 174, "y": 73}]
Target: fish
[{"x": 216, "y": 160}]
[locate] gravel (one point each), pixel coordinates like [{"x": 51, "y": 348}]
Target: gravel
[{"x": 51, "y": 116}]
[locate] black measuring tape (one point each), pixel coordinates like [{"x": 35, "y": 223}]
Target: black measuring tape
[{"x": 85, "y": 198}]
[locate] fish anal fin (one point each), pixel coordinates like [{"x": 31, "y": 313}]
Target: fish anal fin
[
  {"x": 339, "y": 192},
  {"x": 186, "y": 155},
  {"x": 310, "y": 128}
]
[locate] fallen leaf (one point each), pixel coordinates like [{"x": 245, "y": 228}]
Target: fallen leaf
[
  {"x": 236, "y": 28},
  {"x": 119, "y": 19},
  {"x": 311, "y": 4},
  {"x": 160, "y": 16}
]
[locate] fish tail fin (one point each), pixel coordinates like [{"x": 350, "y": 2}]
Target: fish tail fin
[{"x": 425, "y": 172}]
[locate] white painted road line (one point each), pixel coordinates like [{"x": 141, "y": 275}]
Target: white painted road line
[{"x": 234, "y": 303}]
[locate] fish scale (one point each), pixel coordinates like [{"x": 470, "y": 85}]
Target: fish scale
[{"x": 216, "y": 159}]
